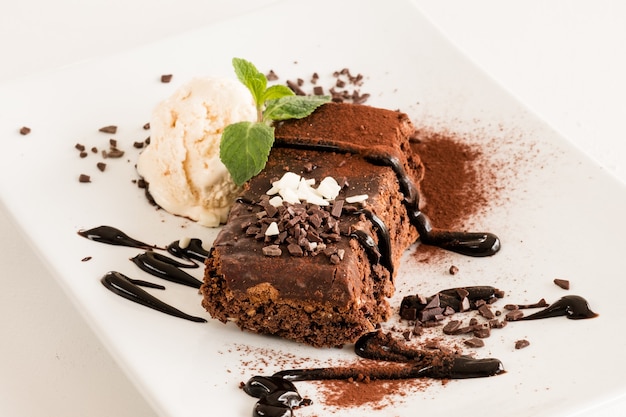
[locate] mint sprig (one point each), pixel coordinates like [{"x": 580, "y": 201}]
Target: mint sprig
[{"x": 245, "y": 146}]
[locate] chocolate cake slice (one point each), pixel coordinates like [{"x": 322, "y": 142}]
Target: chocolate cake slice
[{"x": 322, "y": 274}]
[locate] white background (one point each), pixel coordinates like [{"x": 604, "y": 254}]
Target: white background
[{"x": 565, "y": 59}]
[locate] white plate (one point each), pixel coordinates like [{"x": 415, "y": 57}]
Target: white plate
[{"x": 561, "y": 217}]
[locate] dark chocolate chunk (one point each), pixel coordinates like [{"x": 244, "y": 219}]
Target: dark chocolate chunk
[
  {"x": 514, "y": 315},
  {"x": 166, "y": 78},
  {"x": 474, "y": 342},
  {"x": 521, "y": 344},
  {"x": 563, "y": 283},
  {"x": 108, "y": 129},
  {"x": 84, "y": 178},
  {"x": 24, "y": 130}
]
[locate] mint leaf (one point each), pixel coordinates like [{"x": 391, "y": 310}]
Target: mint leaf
[
  {"x": 253, "y": 79},
  {"x": 245, "y": 146},
  {"x": 293, "y": 107},
  {"x": 277, "y": 91},
  {"x": 244, "y": 149}
]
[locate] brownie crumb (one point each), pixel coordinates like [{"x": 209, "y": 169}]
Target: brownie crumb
[
  {"x": 84, "y": 178},
  {"x": 563, "y": 283},
  {"x": 146, "y": 126},
  {"x": 24, "y": 130},
  {"x": 166, "y": 78},
  {"x": 453, "y": 270},
  {"x": 521, "y": 344}
]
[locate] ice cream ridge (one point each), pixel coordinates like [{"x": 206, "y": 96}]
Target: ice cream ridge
[{"x": 320, "y": 273}]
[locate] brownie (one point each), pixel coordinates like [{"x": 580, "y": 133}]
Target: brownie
[{"x": 325, "y": 278}]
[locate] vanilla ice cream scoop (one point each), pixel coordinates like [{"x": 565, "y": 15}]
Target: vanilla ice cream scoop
[{"x": 181, "y": 164}]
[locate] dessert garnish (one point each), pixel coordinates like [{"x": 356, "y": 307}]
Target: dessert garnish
[
  {"x": 167, "y": 268},
  {"x": 245, "y": 146},
  {"x": 188, "y": 248},
  {"x": 154, "y": 263},
  {"x": 277, "y": 396},
  {"x": 130, "y": 289},
  {"x": 113, "y": 236},
  {"x": 573, "y": 307}
]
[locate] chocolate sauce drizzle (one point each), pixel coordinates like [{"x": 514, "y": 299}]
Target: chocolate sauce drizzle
[
  {"x": 573, "y": 307},
  {"x": 277, "y": 396},
  {"x": 192, "y": 250},
  {"x": 477, "y": 244},
  {"x": 166, "y": 268},
  {"x": 127, "y": 288},
  {"x": 153, "y": 263},
  {"x": 277, "y": 392},
  {"x": 112, "y": 236}
]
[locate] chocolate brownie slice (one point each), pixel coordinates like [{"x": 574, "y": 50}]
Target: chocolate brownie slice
[{"x": 325, "y": 276}]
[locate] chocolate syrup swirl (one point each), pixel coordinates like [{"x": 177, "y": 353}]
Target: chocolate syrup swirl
[
  {"x": 573, "y": 307},
  {"x": 477, "y": 244},
  {"x": 384, "y": 240},
  {"x": 112, "y": 236},
  {"x": 277, "y": 396},
  {"x": 191, "y": 250},
  {"x": 371, "y": 248},
  {"x": 127, "y": 288},
  {"x": 154, "y": 263},
  {"x": 166, "y": 268}
]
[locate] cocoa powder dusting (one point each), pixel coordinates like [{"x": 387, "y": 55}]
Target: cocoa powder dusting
[
  {"x": 375, "y": 395},
  {"x": 451, "y": 190}
]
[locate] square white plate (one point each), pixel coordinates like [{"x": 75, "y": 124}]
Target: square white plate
[{"x": 558, "y": 214}]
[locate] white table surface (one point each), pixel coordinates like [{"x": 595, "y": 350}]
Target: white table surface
[{"x": 566, "y": 59}]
